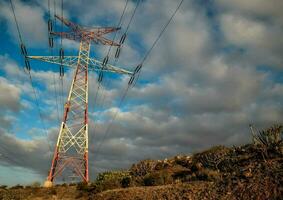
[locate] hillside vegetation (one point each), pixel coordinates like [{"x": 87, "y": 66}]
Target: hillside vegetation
[{"x": 252, "y": 171}]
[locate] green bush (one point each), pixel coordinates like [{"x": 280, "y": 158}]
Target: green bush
[{"x": 115, "y": 175}]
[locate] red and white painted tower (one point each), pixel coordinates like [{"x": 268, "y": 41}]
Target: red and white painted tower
[{"x": 71, "y": 150}]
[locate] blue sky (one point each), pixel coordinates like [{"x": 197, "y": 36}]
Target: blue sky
[{"x": 216, "y": 69}]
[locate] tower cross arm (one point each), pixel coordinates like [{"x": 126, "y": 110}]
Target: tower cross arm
[
  {"x": 71, "y": 61},
  {"x": 69, "y": 23}
]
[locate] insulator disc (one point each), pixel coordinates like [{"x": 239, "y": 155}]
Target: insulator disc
[
  {"x": 23, "y": 50},
  {"x": 117, "y": 54},
  {"x": 105, "y": 61},
  {"x": 122, "y": 40},
  {"x": 50, "y": 25},
  {"x": 27, "y": 64},
  {"x": 61, "y": 53},
  {"x": 138, "y": 68},
  {"x": 100, "y": 77},
  {"x": 62, "y": 72},
  {"x": 131, "y": 80},
  {"x": 50, "y": 42}
]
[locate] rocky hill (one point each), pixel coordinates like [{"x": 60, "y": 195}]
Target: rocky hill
[{"x": 252, "y": 171}]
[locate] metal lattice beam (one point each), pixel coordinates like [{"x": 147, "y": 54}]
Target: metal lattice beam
[{"x": 71, "y": 61}]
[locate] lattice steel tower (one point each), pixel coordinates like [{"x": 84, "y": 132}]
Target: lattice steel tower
[{"x": 71, "y": 151}]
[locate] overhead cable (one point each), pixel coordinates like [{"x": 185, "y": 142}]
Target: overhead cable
[
  {"x": 138, "y": 70},
  {"x": 28, "y": 70}
]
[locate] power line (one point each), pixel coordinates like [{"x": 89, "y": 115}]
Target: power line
[
  {"x": 116, "y": 60},
  {"x": 119, "y": 48},
  {"x": 50, "y": 26},
  {"x": 156, "y": 40},
  {"x": 124, "y": 35},
  {"x": 109, "y": 49},
  {"x": 24, "y": 52},
  {"x": 143, "y": 60},
  {"x": 56, "y": 97},
  {"x": 118, "y": 25},
  {"x": 132, "y": 17},
  {"x": 16, "y": 21},
  {"x": 62, "y": 56},
  {"x": 162, "y": 31},
  {"x": 126, "y": 90},
  {"x": 112, "y": 120},
  {"x": 56, "y": 47},
  {"x": 39, "y": 110}
]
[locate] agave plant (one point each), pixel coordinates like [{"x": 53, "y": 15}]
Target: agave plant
[{"x": 269, "y": 137}]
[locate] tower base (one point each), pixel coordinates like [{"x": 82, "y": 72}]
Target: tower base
[{"x": 47, "y": 184}]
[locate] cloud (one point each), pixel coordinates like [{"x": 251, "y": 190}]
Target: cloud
[
  {"x": 261, "y": 40},
  {"x": 31, "y": 22},
  {"x": 253, "y": 26},
  {"x": 20, "y": 175},
  {"x": 23, "y": 153},
  {"x": 10, "y": 100},
  {"x": 264, "y": 8}
]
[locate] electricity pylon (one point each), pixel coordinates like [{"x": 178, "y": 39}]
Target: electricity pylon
[{"x": 71, "y": 150}]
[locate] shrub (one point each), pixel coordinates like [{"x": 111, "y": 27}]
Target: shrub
[
  {"x": 52, "y": 191},
  {"x": 35, "y": 184},
  {"x": 149, "y": 180},
  {"x": 17, "y": 187},
  {"x": 143, "y": 167},
  {"x": 269, "y": 137},
  {"x": 126, "y": 181},
  {"x": 82, "y": 186},
  {"x": 182, "y": 175},
  {"x": 117, "y": 175},
  {"x": 208, "y": 175},
  {"x": 3, "y": 186},
  {"x": 210, "y": 158},
  {"x": 157, "y": 178}
]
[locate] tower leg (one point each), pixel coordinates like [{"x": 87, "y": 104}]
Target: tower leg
[{"x": 71, "y": 151}]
